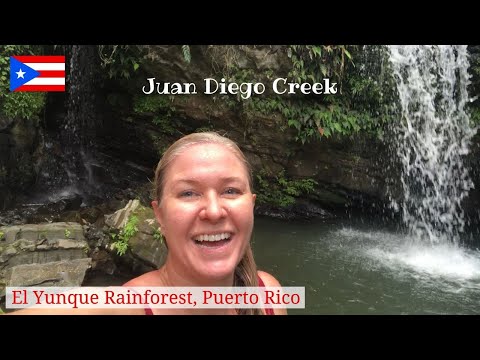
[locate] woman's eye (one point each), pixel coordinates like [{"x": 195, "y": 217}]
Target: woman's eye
[
  {"x": 186, "y": 193},
  {"x": 232, "y": 191}
]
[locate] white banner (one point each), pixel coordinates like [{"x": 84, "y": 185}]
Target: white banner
[{"x": 155, "y": 297}]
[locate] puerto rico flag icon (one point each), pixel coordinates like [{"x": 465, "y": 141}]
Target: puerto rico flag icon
[{"x": 37, "y": 73}]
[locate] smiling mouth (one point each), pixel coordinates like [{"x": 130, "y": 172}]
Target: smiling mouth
[{"x": 213, "y": 240}]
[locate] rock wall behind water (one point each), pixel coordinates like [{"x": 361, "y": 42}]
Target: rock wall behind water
[{"x": 353, "y": 172}]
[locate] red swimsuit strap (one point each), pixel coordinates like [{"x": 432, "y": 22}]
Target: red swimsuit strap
[{"x": 268, "y": 310}]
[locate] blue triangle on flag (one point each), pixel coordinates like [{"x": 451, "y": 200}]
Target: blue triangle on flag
[{"x": 20, "y": 73}]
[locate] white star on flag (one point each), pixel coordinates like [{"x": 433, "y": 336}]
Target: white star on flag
[{"x": 20, "y": 74}]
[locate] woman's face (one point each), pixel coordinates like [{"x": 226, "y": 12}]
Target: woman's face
[{"x": 206, "y": 212}]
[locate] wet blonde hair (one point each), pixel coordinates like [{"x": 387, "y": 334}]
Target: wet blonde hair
[{"x": 246, "y": 270}]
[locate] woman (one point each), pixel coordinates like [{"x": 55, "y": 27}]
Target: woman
[{"x": 204, "y": 206}]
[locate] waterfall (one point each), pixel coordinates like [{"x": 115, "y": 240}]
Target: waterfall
[
  {"x": 432, "y": 137},
  {"x": 78, "y": 127},
  {"x": 69, "y": 145},
  {"x": 79, "y": 122}
]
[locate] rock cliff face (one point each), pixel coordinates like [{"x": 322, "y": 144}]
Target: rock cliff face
[
  {"x": 19, "y": 140},
  {"x": 348, "y": 170},
  {"x": 351, "y": 172},
  {"x": 43, "y": 255}
]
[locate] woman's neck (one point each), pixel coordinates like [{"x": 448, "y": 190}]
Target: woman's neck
[{"x": 171, "y": 276}]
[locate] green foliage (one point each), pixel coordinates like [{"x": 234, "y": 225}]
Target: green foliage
[
  {"x": 160, "y": 107},
  {"x": 2, "y": 235},
  {"x": 120, "y": 61},
  {"x": 157, "y": 235},
  {"x": 475, "y": 116},
  {"x": 67, "y": 233},
  {"x": 25, "y": 105},
  {"x": 163, "y": 122},
  {"x": 311, "y": 63},
  {"x": 152, "y": 104},
  {"x": 279, "y": 191},
  {"x": 313, "y": 120},
  {"x": 187, "y": 56},
  {"x": 122, "y": 238},
  {"x": 362, "y": 103},
  {"x": 370, "y": 86},
  {"x": 474, "y": 88}
]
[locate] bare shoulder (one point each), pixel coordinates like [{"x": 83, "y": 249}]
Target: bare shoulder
[{"x": 270, "y": 281}]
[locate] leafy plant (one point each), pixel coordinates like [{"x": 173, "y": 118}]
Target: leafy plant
[
  {"x": 279, "y": 191},
  {"x": 314, "y": 62},
  {"x": 162, "y": 109},
  {"x": 474, "y": 88},
  {"x": 122, "y": 238},
  {"x": 314, "y": 120},
  {"x": 120, "y": 61},
  {"x": 157, "y": 235},
  {"x": 67, "y": 233},
  {"x": 187, "y": 56}
]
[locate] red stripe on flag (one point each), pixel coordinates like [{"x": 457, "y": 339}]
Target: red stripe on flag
[
  {"x": 52, "y": 73},
  {"x": 40, "y": 88},
  {"x": 40, "y": 59}
]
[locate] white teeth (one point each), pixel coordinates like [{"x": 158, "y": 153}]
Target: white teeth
[{"x": 216, "y": 237}]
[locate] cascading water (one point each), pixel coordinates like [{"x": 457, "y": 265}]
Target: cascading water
[
  {"x": 79, "y": 123},
  {"x": 432, "y": 138},
  {"x": 65, "y": 169}
]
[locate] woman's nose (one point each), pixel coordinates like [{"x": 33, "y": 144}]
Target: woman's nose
[{"x": 213, "y": 209}]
